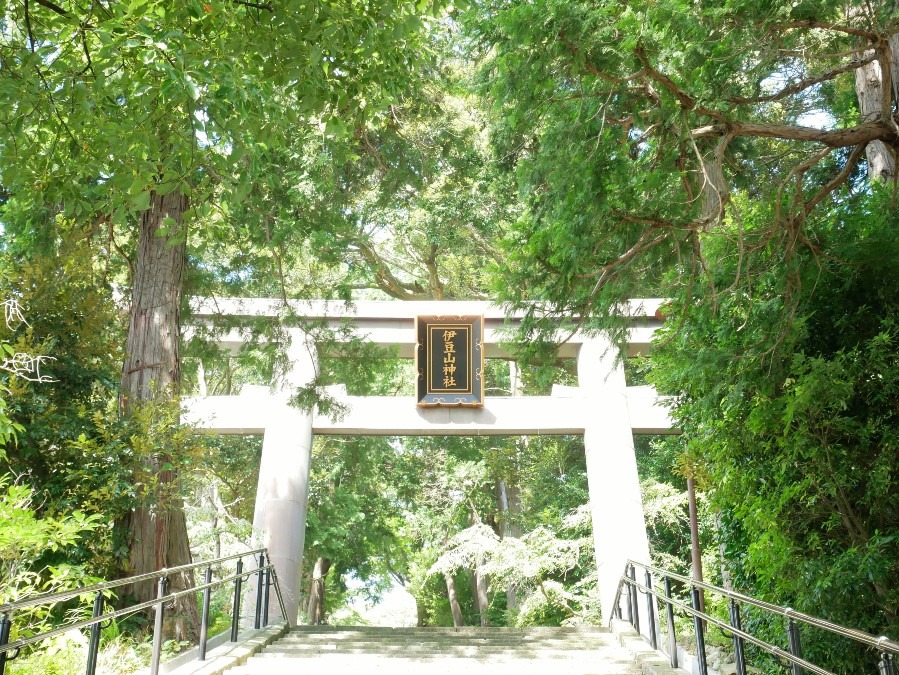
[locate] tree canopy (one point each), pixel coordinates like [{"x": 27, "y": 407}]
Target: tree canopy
[{"x": 735, "y": 157}]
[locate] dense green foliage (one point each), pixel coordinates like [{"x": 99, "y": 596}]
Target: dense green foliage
[
  {"x": 716, "y": 154},
  {"x": 795, "y": 431},
  {"x": 633, "y": 130},
  {"x": 720, "y": 154}
]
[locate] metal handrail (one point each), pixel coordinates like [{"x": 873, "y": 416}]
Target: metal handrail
[
  {"x": 786, "y": 612},
  {"x": 798, "y": 665},
  {"x": 59, "y": 596},
  {"x": 771, "y": 649},
  {"x": 163, "y": 598}
]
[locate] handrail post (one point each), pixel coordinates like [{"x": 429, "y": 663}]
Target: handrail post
[
  {"x": 204, "y": 618},
  {"x": 630, "y": 599},
  {"x": 635, "y": 615},
  {"x": 265, "y": 597},
  {"x": 699, "y": 630},
  {"x": 651, "y": 611},
  {"x": 157, "y": 628},
  {"x": 794, "y": 644},
  {"x": 257, "y": 621},
  {"x": 235, "y": 619},
  {"x": 886, "y": 664},
  {"x": 736, "y": 623},
  {"x": 286, "y": 618},
  {"x": 5, "y": 625},
  {"x": 669, "y": 616},
  {"x": 93, "y": 646}
]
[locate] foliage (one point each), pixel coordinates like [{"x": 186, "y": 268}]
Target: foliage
[
  {"x": 663, "y": 468},
  {"x": 64, "y": 655},
  {"x": 713, "y": 153},
  {"x": 636, "y": 133},
  {"x": 151, "y": 96},
  {"x": 405, "y": 206},
  {"x": 538, "y": 565},
  {"x": 795, "y": 425},
  {"x": 355, "y": 510},
  {"x": 25, "y": 537}
]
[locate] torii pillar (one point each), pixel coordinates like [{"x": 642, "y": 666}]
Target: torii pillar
[
  {"x": 616, "y": 505},
  {"x": 282, "y": 494}
]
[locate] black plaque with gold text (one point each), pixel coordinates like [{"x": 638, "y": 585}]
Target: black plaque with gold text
[{"x": 449, "y": 360}]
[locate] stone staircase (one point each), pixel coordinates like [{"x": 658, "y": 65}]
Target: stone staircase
[{"x": 442, "y": 651}]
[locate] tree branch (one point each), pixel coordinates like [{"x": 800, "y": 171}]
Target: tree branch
[
  {"x": 28, "y": 28},
  {"x": 686, "y": 101},
  {"x": 806, "y": 83},
  {"x": 838, "y": 180},
  {"x": 593, "y": 70},
  {"x": 52, "y": 6},
  {"x": 810, "y": 23},
  {"x": 797, "y": 172},
  {"x": 384, "y": 277},
  {"x": 255, "y": 5},
  {"x": 877, "y": 130}
]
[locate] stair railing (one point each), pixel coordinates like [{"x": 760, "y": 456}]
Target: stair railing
[
  {"x": 266, "y": 578},
  {"x": 887, "y": 649}
]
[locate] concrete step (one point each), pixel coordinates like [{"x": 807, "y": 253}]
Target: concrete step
[
  {"x": 429, "y": 651},
  {"x": 412, "y": 641}
]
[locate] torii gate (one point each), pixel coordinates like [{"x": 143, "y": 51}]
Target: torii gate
[{"x": 602, "y": 408}]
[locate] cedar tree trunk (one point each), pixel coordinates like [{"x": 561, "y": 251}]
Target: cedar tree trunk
[
  {"x": 509, "y": 498},
  {"x": 421, "y": 613},
  {"x": 869, "y": 87},
  {"x": 158, "y": 529},
  {"x": 483, "y": 600},
  {"x": 316, "y": 607},
  {"x": 453, "y": 600}
]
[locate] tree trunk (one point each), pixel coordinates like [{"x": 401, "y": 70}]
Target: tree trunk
[
  {"x": 509, "y": 498},
  {"x": 479, "y": 592},
  {"x": 453, "y": 601},
  {"x": 315, "y": 610},
  {"x": 421, "y": 612},
  {"x": 869, "y": 83},
  {"x": 158, "y": 529}
]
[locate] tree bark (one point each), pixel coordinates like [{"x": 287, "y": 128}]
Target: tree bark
[
  {"x": 151, "y": 371},
  {"x": 421, "y": 612},
  {"x": 315, "y": 610},
  {"x": 869, "y": 88},
  {"x": 453, "y": 601},
  {"x": 509, "y": 498},
  {"x": 479, "y": 588}
]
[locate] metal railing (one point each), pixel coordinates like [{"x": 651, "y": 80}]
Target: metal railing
[
  {"x": 266, "y": 578},
  {"x": 886, "y": 649}
]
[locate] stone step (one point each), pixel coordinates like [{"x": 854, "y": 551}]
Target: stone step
[
  {"x": 464, "y": 630},
  {"x": 470, "y": 652},
  {"x": 599, "y": 666},
  {"x": 437, "y": 642},
  {"x": 476, "y": 651}
]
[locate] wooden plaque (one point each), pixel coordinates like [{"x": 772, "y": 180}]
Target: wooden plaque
[{"x": 449, "y": 360}]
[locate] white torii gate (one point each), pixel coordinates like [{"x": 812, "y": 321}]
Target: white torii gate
[{"x": 602, "y": 408}]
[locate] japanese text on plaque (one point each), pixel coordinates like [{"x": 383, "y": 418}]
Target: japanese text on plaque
[{"x": 449, "y": 359}]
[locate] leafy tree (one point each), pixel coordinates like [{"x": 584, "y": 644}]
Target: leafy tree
[
  {"x": 26, "y": 537},
  {"x": 406, "y": 206},
  {"x": 354, "y": 517},
  {"x": 130, "y": 117},
  {"x": 726, "y": 155},
  {"x": 636, "y": 132},
  {"x": 70, "y": 452},
  {"x": 795, "y": 427}
]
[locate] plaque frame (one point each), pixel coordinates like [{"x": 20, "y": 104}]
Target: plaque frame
[{"x": 429, "y": 345}]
